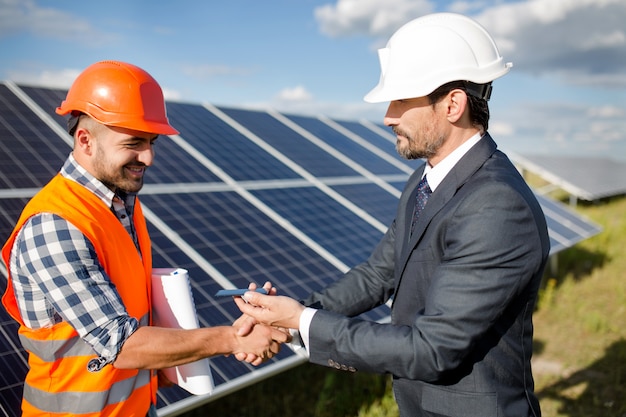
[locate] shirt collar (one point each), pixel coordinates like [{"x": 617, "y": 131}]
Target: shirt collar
[
  {"x": 74, "y": 171},
  {"x": 437, "y": 173}
]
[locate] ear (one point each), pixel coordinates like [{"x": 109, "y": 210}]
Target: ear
[
  {"x": 83, "y": 141},
  {"x": 457, "y": 102}
]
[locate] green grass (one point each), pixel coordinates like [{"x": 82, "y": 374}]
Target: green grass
[
  {"x": 580, "y": 345},
  {"x": 580, "y": 326}
]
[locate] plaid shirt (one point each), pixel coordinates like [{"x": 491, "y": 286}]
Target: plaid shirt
[{"x": 57, "y": 277}]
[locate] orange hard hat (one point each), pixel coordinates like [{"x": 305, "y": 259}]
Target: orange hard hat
[{"x": 119, "y": 94}]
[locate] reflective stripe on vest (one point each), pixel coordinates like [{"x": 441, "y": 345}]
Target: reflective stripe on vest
[
  {"x": 52, "y": 350},
  {"x": 85, "y": 402}
]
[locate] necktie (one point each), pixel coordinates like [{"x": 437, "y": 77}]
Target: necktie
[{"x": 423, "y": 192}]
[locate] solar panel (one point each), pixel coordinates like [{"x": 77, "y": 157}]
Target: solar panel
[
  {"x": 26, "y": 138},
  {"x": 585, "y": 178},
  {"x": 13, "y": 362},
  {"x": 566, "y": 228},
  {"x": 238, "y": 196}
]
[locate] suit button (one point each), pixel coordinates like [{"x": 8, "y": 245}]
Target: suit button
[
  {"x": 351, "y": 369},
  {"x": 331, "y": 363}
]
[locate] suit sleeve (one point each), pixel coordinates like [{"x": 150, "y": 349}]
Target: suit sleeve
[
  {"x": 487, "y": 249},
  {"x": 365, "y": 286}
]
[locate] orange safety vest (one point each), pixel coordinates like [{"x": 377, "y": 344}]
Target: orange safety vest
[{"x": 58, "y": 382}]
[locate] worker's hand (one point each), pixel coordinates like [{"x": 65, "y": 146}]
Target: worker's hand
[
  {"x": 278, "y": 334},
  {"x": 276, "y": 311},
  {"x": 261, "y": 344},
  {"x": 245, "y": 324}
]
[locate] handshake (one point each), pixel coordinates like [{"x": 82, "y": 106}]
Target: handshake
[{"x": 265, "y": 323}]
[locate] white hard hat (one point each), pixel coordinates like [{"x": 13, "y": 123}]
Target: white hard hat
[{"x": 433, "y": 50}]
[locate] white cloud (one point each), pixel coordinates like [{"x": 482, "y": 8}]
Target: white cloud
[
  {"x": 26, "y": 16},
  {"x": 342, "y": 111},
  {"x": 467, "y": 7},
  {"x": 173, "y": 95},
  {"x": 54, "y": 79},
  {"x": 607, "y": 112},
  {"x": 498, "y": 128},
  {"x": 581, "y": 129},
  {"x": 298, "y": 93},
  {"x": 616, "y": 38},
  {"x": 581, "y": 41},
  {"x": 368, "y": 17}
]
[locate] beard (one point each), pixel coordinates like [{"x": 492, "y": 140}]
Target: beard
[
  {"x": 117, "y": 177},
  {"x": 411, "y": 148}
]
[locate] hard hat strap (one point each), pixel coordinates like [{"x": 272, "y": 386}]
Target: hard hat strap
[
  {"x": 482, "y": 91},
  {"x": 72, "y": 122}
]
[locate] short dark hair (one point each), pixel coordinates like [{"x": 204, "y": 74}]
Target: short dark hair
[{"x": 477, "y": 96}]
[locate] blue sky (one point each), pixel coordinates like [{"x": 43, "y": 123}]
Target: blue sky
[{"x": 566, "y": 93}]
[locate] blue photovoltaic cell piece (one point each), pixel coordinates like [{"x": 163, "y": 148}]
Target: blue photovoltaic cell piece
[
  {"x": 566, "y": 227},
  {"x": 174, "y": 165},
  {"x": 10, "y": 210},
  {"x": 371, "y": 198},
  {"x": 364, "y": 157},
  {"x": 30, "y": 152},
  {"x": 48, "y": 99},
  {"x": 239, "y": 157},
  {"x": 309, "y": 156},
  {"x": 13, "y": 365},
  {"x": 338, "y": 230},
  {"x": 399, "y": 185}
]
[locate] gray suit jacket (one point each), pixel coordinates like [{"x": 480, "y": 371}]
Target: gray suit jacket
[{"x": 464, "y": 288}]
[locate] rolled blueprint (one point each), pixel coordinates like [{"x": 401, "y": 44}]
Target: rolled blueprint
[{"x": 173, "y": 307}]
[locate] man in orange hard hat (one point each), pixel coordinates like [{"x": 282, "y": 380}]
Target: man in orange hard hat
[{"x": 80, "y": 263}]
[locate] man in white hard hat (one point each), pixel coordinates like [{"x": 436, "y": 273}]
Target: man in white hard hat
[{"x": 463, "y": 258}]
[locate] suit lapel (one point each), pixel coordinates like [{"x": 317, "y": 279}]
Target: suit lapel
[{"x": 459, "y": 174}]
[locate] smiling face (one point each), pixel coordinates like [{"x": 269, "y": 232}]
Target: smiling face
[{"x": 116, "y": 156}]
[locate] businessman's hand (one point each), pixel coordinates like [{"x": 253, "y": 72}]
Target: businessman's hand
[
  {"x": 245, "y": 323},
  {"x": 277, "y": 311}
]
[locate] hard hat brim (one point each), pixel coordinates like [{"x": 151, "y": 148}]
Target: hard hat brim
[
  {"x": 112, "y": 119},
  {"x": 384, "y": 92}
]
